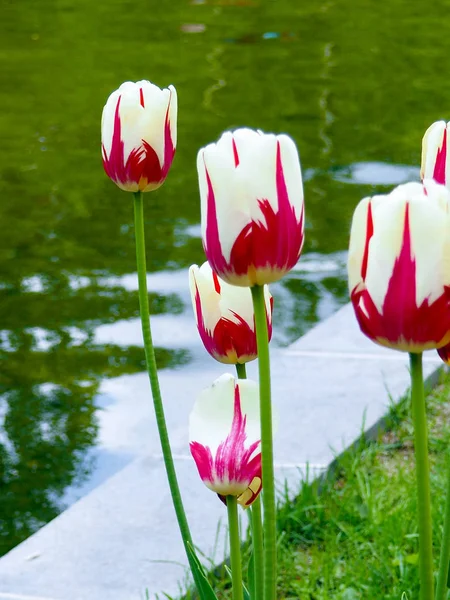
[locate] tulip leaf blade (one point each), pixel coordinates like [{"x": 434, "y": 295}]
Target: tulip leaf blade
[
  {"x": 198, "y": 573},
  {"x": 246, "y": 593}
]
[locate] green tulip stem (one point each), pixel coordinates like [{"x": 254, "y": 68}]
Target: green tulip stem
[
  {"x": 235, "y": 548},
  {"x": 441, "y": 587},
  {"x": 153, "y": 376},
  {"x": 258, "y": 547},
  {"x": 423, "y": 478},
  {"x": 268, "y": 480},
  {"x": 241, "y": 371},
  {"x": 256, "y": 524}
]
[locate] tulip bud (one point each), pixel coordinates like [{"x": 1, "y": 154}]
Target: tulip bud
[
  {"x": 225, "y": 317},
  {"x": 224, "y": 438},
  {"x": 139, "y": 135},
  {"x": 435, "y": 162},
  {"x": 399, "y": 267},
  {"x": 251, "y": 205}
]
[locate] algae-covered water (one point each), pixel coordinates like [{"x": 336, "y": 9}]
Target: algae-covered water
[{"x": 354, "y": 83}]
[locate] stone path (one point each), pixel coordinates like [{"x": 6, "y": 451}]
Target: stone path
[{"x": 121, "y": 539}]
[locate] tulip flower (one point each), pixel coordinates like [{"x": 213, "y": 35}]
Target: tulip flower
[
  {"x": 251, "y": 205},
  {"x": 399, "y": 267},
  {"x": 225, "y": 317},
  {"x": 435, "y": 162},
  {"x": 224, "y": 436},
  {"x": 139, "y": 135}
]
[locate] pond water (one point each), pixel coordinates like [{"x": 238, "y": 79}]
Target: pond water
[{"x": 355, "y": 85}]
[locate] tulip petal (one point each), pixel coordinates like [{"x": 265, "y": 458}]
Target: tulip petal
[
  {"x": 252, "y": 228},
  {"x": 399, "y": 281},
  {"x": 427, "y": 220},
  {"x": 139, "y": 135},
  {"x": 444, "y": 353},
  {"x": 360, "y": 236},
  {"x": 224, "y": 316},
  {"x": 224, "y": 435},
  {"x": 434, "y": 153},
  {"x": 222, "y": 200}
]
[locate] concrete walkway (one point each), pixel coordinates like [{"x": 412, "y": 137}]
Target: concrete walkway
[{"x": 121, "y": 539}]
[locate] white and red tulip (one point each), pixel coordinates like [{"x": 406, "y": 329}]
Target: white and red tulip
[
  {"x": 225, "y": 316},
  {"x": 399, "y": 267},
  {"x": 139, "y": 135},
  {"x": 224, "y": 436},
  {"x": 435, "y": 156},
  {"x": 252, "y": 206}
]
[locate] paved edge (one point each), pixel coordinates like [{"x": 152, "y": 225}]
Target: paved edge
[{"x": 336, "y": 338}]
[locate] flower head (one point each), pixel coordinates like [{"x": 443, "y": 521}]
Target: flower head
[
  {"x": 224, "y": 435},
  {"x": 225, "y": 317},
  {"x": 252, "y": 206},
  {"x": 139, "y": 135},
  {"x": 399, "y": 267},
  {"x": 435, "y": 158}
]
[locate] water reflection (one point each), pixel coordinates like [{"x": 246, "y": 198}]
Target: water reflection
[
  {"x": 46, "y": 431},
  {"x": 375, "y": 173},
  {"x": 52, "y": 367},
  {"x": 68, "y": 301}
]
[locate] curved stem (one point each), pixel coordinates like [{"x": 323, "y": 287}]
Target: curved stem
[
  {"x": 241, "y": 371},
  {"x": 441, "y": 588},
  {"x": 423, "y": 478},
  {"x": 235, "y": 548},
  {"x": 153, "y": 374},
  {"x": 268, "y": 482},
  {"x": 258, "y": 547}
]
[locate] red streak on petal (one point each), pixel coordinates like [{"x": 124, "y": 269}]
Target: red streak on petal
[
  {"x": 142, "y": 166},
  {"x": 441, "y": 157},
  {"x": 143, "y": 163},
  {"x": 235, "y": 153},
  {"x": 272, "y": 243},
  {"x": 401, "y": 323},
  {"x": 114, "y": 164},
  {"x": 233, "y": 462},
  {"x": 444, "y": 353},
  {"x": 203, "y": 459},
  {"x": 141, "y": 97},
  {"x": 211, "y": 243},
  {"x": 369, "y": 234},
  {"x": 169, "y": 148},
  {"x": 216, "y": 282},
  {"x": 275, "y": 243},
  {"x": 231, "y": 341}
]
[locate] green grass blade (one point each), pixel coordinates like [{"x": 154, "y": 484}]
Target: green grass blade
[{"x": 203, "y": 586}]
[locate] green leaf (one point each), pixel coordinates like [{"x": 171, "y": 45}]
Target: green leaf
[
  {"x": 198, "y": 573},
  {"x": 244, "y": 589},
  {"x": 412, "y": 559}
]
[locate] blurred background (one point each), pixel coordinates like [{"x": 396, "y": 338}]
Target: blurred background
[{"x": 354, "y": 83}]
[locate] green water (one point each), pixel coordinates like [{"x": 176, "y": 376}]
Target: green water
[{"x": 354, "y": 83}]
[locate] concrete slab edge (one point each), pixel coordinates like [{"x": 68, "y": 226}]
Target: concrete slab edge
[{"x": 380, "y": 427}]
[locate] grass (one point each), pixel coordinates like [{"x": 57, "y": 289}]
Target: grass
[{"x": 354, "y": 535}]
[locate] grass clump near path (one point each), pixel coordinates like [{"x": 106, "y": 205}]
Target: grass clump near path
[{"x": 354, "y": 535}]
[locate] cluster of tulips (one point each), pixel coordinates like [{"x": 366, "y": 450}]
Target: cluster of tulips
[{"x": 252, "y": 221}]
